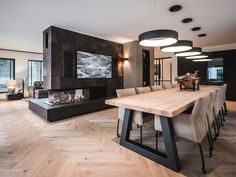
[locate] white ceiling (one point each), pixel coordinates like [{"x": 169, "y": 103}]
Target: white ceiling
[{"x": 22, "y": 21}]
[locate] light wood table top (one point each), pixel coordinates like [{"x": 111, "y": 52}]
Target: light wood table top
[{"x": 169, "y": 103}]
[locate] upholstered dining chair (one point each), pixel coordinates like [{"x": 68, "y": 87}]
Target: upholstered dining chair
[
  {"x": 140, "y": 90},
  {"x": 175, "y": 85},
  {"x": 167, "y": 86},
  {"x": 212, "y": 120},
  {"x": 146, "y": 116},
  {"x": 192, "y": 127},
  {"x": 139, "y": 118},
  {"x": 216, "y": 110},
  {"x": 223, "y": 101},
  {"x": 155, "y": 88},
  {"x": 220, "y": 104}
]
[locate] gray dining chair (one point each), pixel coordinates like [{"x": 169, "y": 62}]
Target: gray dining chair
[
  {"x": 139, "y": 118},
  {"x": 192, "y": 127},
  {"x": 211, "y": 119},
  {"x": 140, "y": 90},
  {"x": 155, "y": 88},
  {"x": 146, "y": 116},
  {"x": 223, "y": 101},
  {"x": 167, "y": 86}
]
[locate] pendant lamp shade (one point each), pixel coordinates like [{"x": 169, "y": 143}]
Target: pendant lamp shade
[
  {"x": 202, "y": 60},
  {"x": 202, "y": 55},
  {"x": 158, "y": 38},
  {"x": 193, "y": 51},
  {"x": 180, "y": 46}
]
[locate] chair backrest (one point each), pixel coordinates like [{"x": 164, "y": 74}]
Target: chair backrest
[
  {"x": 125, "y": 92},
  {"x": 217, "y": 102},
  {"x": 38, "y": 84},
  {"x": 140, "y": 90},
  {"x": 175, "y": 85},
  {"x": 224, "y": 87},
  {"x": 156, "y": 88},
  {"x": 210, "y": 112},
  {"x": 222, "y": 96},
  {"x": 11, "y": 83},
  {"x": 198, "y": 117},
  {"x": 167, "y": 86}
]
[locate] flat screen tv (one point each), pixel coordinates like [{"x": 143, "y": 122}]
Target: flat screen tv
[{"x": 91, "y": 65}]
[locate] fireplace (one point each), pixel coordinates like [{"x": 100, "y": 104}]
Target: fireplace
[
  {"x": 93, "y": 93},
  {"x": 57, "y": 97}
]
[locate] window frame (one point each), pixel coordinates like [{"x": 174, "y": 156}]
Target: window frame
[
  {"x": 30, "y": 77},
  {"x": 12, "y": 62}
]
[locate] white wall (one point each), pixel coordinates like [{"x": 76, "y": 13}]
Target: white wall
[
  {"x": 133, "y": 76},
  {"x": 21, "y": 59},
  {"x": 166, "y": 68}
]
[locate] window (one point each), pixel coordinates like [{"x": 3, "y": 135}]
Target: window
[
  {"x": 215, "y": 70},
  {"x": 7, "y": 72},
  {"x": 35, "y": 71}
]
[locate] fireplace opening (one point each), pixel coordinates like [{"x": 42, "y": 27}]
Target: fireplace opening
[{"x": 56, "y": 97}]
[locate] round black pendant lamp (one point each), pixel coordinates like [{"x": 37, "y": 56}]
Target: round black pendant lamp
[
  {"x": 158, "y": 38},
  {"x": 180, "y": 46},
  {"x": 203, "y": 60},
  {"x": 202, "y": 55},
  {"x": 193, "y": 51}
]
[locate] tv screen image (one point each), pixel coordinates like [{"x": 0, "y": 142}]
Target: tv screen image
[{"x": 91, "y": 65}]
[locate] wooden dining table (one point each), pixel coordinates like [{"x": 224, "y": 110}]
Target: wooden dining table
[{"x": 165, "y": 103}]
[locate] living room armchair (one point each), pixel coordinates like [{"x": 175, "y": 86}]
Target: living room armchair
[{"x": 39, "y": 91}]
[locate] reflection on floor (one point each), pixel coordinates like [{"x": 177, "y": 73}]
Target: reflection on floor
[{"x": 87, "y": 146}]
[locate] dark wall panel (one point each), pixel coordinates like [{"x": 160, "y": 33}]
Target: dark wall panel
[
  {"x": 229, "y": 63},
  {"x": 62, "y": 47}
]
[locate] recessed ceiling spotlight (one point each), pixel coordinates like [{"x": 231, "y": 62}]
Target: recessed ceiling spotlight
[
  {"x": 196, "y": 29},
  {"x": 187, "y": 20},
  {"x": 202, "y": 35},
  {"x": 175, "y": 8}
]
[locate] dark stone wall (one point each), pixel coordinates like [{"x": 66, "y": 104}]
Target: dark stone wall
[
  {"x": 229, "y": 64},
  {"x": 59, "y": 52}
]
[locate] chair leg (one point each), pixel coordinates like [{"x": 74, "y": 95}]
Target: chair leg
[
  {"x": 202, "y": 157},
  {"x": 225, "y": 108},
  {"x": 156, "y": 140},
  {"x": 223, "y": 114},
  {"x": 216, "y": 133},
  {"x": 216, "y": 117},
  {"x": 141, "y": 134},
  {"x": 211, "y": 139},
  {"x": 209, "y": 143},
  {"x": 117, "y": 128},
  {"x": 221, "y": 118},
  {"x": 218, "y": 124}
]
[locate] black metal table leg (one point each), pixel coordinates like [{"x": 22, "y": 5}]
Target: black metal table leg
[{"x": 170, "y": 159}]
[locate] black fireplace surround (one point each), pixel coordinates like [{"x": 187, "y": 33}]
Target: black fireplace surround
[{"x": 59, "y": 58}]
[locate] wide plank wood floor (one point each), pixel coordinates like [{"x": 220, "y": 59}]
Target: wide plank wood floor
[{"x": 86, "y": 146}]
